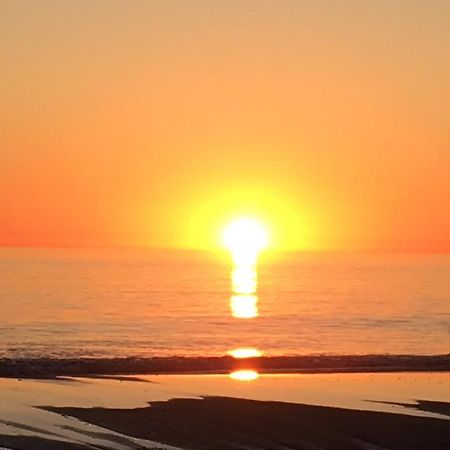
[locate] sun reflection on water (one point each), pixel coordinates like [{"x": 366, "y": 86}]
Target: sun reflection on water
[
  {"x": 244, "y": 306},
  {"x": 244, "y": 283},
  {"x": 244, "y": 280},
  {"x": 245, "y": 238},
  {"x": 244, "y": 375},
  {"x": 245, "y": 352}
]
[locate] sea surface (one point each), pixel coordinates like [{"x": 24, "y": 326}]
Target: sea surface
[{"x": 122, "y": 302}]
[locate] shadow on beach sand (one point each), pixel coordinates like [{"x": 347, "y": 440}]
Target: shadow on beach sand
[{"x": 223, "y": 423}]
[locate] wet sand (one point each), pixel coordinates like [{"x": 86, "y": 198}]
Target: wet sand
[
  {"x": 424, "y": 405},
  {"x": 214, "y": 412},
  {"x": 220, "y": 423},
  {"x": 37, "y": 443}
]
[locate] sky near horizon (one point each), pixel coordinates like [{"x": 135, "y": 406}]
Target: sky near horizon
[{"x": 155, "y": 122}]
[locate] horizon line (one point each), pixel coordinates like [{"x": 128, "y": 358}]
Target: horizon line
[{"x": 218, "y": 249}]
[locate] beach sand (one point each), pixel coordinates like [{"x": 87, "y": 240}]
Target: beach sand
[
  {"x": 222, "y": 423},
  {"x": 213, "y": 412}
]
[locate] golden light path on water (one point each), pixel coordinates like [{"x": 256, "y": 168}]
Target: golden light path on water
[
  {"x": 245, "y": 238},
  {"x": 244, "y": 306},
  {"x": 245, "y": 352},
  {"x": 244, "y": 280},
  {"x": 244, "y": 301}
]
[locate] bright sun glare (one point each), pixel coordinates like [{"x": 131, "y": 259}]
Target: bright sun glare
[
  {"x": 245, "y": 352},
  {"x": 244, "y": 375},
  {"x": 245, "y": 238}
]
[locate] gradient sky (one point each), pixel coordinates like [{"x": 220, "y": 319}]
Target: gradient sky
[{"x": 154, "y": 122}]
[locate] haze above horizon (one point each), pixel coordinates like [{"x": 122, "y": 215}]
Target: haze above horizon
[{"x": 156, "y": 123}]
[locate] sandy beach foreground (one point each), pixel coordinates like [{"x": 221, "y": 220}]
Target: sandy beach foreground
[
  {"x": 214, "y": 412},
  {"x": 221, "y": 423}
]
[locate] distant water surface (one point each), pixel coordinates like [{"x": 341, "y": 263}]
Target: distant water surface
[{"x": 104, "y": 303}]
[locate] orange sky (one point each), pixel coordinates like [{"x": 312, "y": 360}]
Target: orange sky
[{"x": 153, "y": 123}]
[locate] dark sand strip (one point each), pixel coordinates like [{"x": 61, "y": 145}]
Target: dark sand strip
[
  {"x": 48, "y": 368},
  {"x": 126, "y": 378},
  {"x": 218, "y": 423},
  {"x": 37, "y": 443}
]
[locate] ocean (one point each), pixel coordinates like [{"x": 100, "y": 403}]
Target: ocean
[{"x": 102, "y": 303}]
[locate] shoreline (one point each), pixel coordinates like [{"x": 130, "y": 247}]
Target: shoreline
[{"x": 72, "y": 367}]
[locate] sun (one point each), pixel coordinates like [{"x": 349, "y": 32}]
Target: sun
[{"x": 245, "y": 238}]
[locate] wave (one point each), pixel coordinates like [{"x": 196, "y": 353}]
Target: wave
[{"x": 73, "y": 367}]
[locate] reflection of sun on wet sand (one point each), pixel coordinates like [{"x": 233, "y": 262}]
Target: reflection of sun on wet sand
[{"x": 244, "y": 375}]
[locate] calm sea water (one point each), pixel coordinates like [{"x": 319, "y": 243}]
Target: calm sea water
[{"x": 81, "y": 303}]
